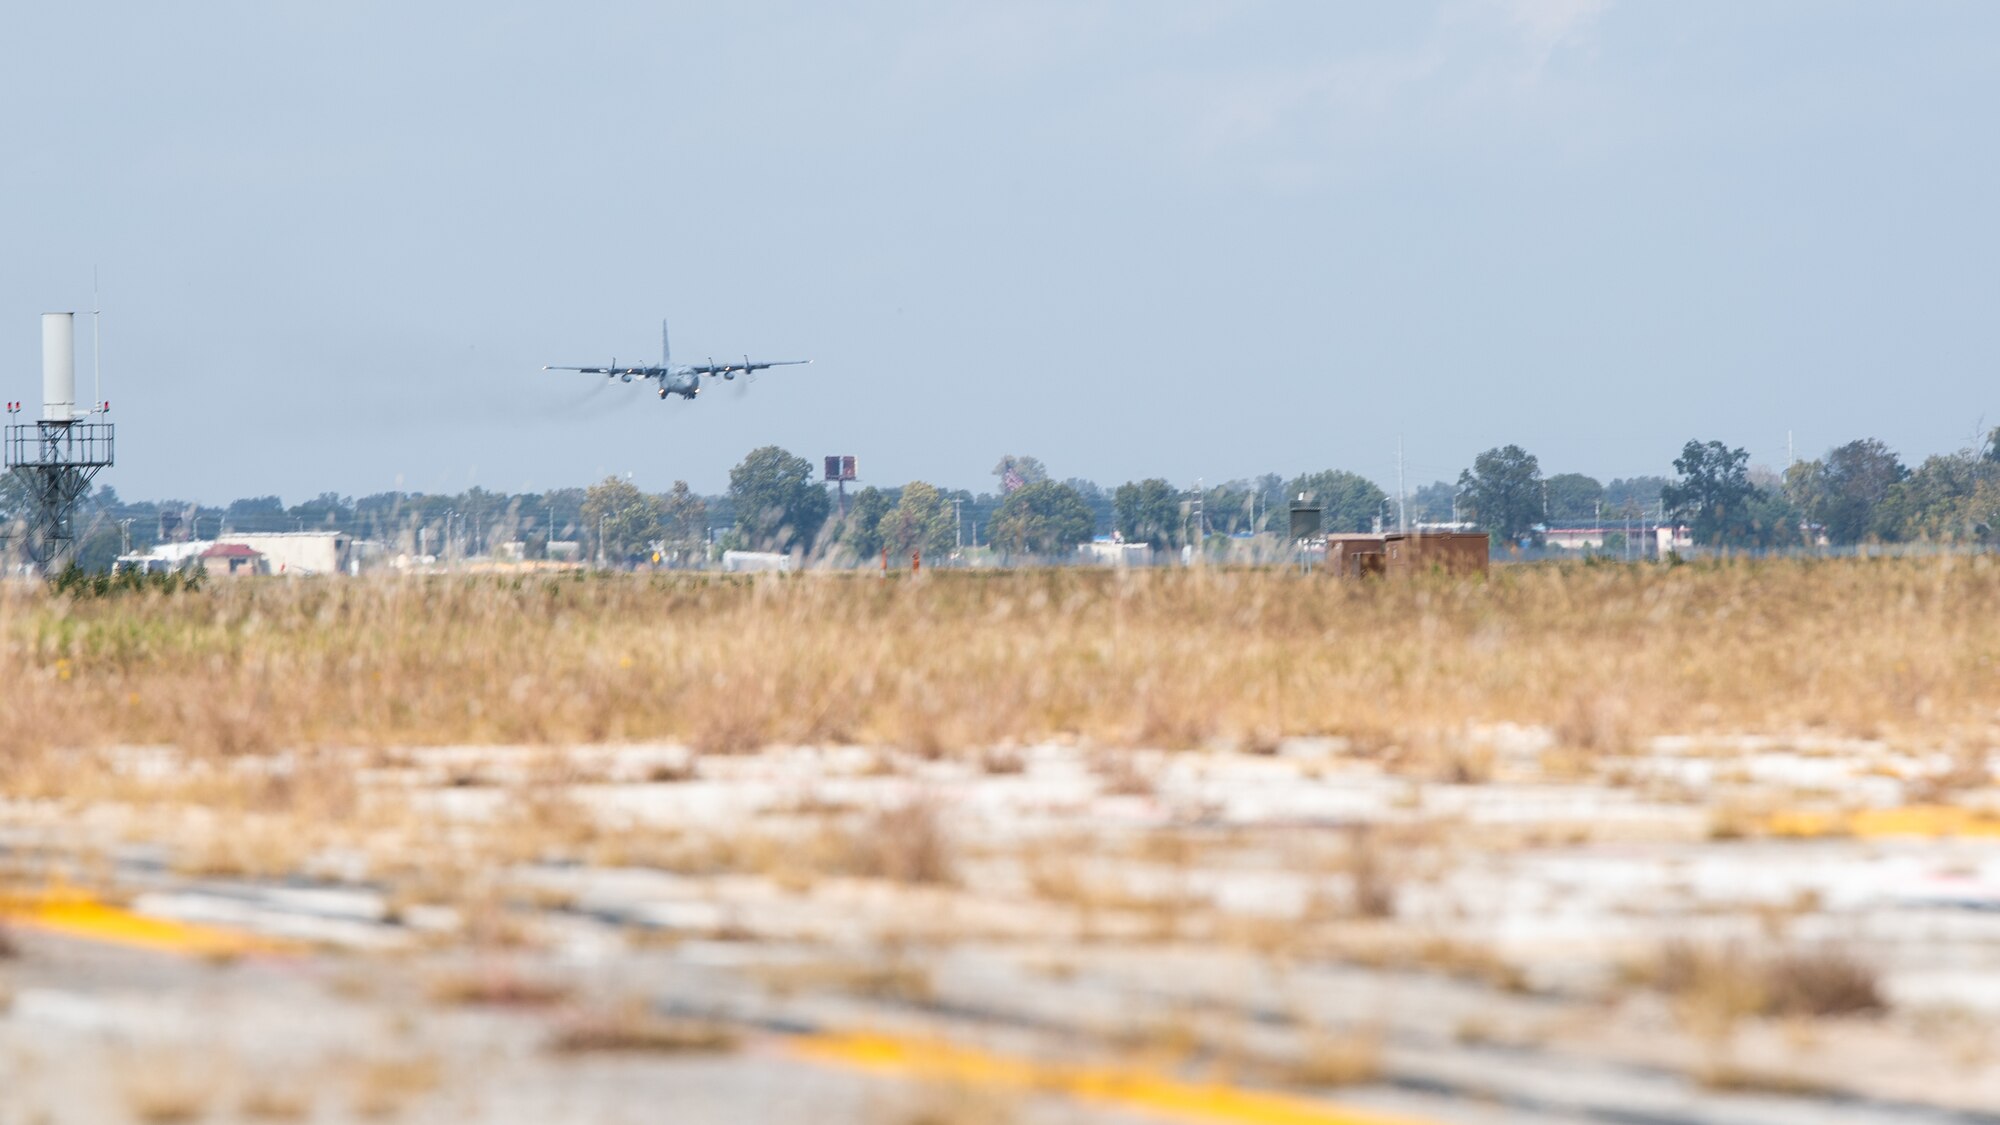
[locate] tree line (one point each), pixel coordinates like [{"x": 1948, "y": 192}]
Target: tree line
[
  {"x": 1854, "y": 493},
  {"x": 1859, "y": 492}
]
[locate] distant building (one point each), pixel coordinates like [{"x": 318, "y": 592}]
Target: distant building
[
  {"x": 754, "y": 561},
  {"x": 1111, "y": 552},
  {"x": 1576, "y": 538},
  {"x": 230, "y": 560},
  {"x": 286, "y": 552},
  {"x": 1399, "y": 554},
  {"x": 299, "y": 552},
  {"x": 164, "y": 557}
]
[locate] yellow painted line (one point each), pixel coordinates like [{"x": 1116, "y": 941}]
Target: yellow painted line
[
  {"x": 1132, "y": 1088},
  {"x": 1929, "y": 821},
  {"x": 75, "y": 914}
]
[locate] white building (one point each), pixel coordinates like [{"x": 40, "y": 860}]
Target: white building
[
  {"x": 1576, "y": 538},
  {"x": 284, "y": 552},
  {"x": 164, "y": 557},
  {"x": 1107, "y": 552},
  {"x": 751, "y": 561},
  {"x": 299, "y": 552}
]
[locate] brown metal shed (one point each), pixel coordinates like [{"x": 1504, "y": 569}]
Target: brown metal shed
[
  {"x": 1355, "y": 556},
  {"x": 1435, "y": 552}
]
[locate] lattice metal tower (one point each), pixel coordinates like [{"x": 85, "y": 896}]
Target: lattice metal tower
[{"x": 56, "y": 457}]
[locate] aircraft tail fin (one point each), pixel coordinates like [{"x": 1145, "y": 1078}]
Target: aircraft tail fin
[{"x": 666, "y": 353}]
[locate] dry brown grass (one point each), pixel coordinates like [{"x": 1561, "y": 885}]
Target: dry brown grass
[
  {"x": 1735, "y": 1077},
  {"x": 271, "y": 1101},
  {"x": 496, "y": 986},
  {"x": 1821, "y": 982},
  {"x": 382, "y": 1087},
  {"x": 1468, "y": 961},
  {"x": 907, "y": 844},
  {"x": 1166, "y": 658},
  {"x": 1373, "y": 894},
  {"x": 633, "y": 1028},
  {"x": 1331, "y": 1060},
  {"x": 1714, "y": 987},
  {"x": 889, "y": 978},
  {"x": 946, "y": 1102},
  {"x": 166, "y": 1087}
]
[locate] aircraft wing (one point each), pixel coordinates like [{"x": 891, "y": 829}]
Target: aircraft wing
[
  {"x": 599, "y": 370},
  {"x": 713, "y": 368}
]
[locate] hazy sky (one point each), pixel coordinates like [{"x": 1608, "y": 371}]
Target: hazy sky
[{"x": 338, "y": 241}]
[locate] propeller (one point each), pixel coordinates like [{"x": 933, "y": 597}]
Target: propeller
[{"x": 748, "y": 370}]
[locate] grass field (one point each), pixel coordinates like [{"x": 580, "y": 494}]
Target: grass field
[
  {"x": 954, "y": 661},
  {"x": 1696, "y": 830}
]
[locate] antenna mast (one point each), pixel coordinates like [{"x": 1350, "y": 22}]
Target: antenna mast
[
  {"x": 96, "y": 347},
  {"x": 55, "y": 457},
  {"x": 1402, "y": 493}
]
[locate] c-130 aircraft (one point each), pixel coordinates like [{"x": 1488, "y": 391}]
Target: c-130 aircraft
[{"x": 683, "y": 379}]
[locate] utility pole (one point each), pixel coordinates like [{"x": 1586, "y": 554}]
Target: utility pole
[
  {"x": 1198, "y": 517},
  {"x": 1402, "y": 507},
  {"x": 957, "y": 525}
]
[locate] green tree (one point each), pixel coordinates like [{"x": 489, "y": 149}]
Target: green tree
[
  {"x": 1243, "y": 506},
  {"x": 1633, "y": 496},
  {"x": 920, "y": 521},
  {"x": 1017, "y": 472},
  {"x": 1348, "y": 502},
  {"x": 1949, "y": 497},
  {"x": 862, "y": 530},
  {"x": 1713, "y": 494},
  {"x": 1148, "y": 511},
  {"x": 1502, "y": 492},
  {"x": 1044, "y": 518},
  {"x": 778, "y": 505},
  {"x": 1436, "y": 502},
  {"x": 325, "y": 512},
  {"x": 1103, "y": 513},
  {"x": 1574, "y": 499},
  {"x": 623, "y": 520},
  {"x": 256, "y": 513},
  {"x": 1845, "y": 492},
  {"x": 684, "y": 524}
]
